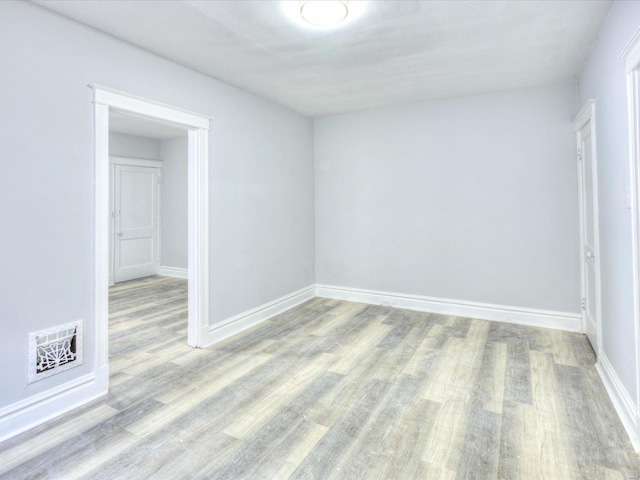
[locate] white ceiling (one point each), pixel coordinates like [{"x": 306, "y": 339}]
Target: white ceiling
[
  {"x": 393, "y": 52},
  {"x": 142, "y": 127}
]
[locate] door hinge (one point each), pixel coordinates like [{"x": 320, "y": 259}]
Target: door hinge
[
  {"x": 584, "y": 303},
  {"x": 579, "y": 155}
]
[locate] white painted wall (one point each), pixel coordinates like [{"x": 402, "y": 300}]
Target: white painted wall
[
  {"x": 133, "y": 146},
  {"x": 472, "y": 198},
  {"x": 604, "y": 78},
  {"x": 173, "y": 223},
  {"x": 261, "y": 184}
]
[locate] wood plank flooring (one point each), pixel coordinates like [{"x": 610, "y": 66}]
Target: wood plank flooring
[{"x": 332, "y": 390}]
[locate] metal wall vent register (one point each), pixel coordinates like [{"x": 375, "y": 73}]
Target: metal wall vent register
[{"x": 54, "y": 350}]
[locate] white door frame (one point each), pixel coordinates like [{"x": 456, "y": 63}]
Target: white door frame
[
  {"x": 104, "y": 99},
  {"x": 631, "y": 55},
  {"x": 588, "y": 114}
]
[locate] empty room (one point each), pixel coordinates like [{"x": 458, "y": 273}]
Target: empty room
[{"x": 320, "y": 239}]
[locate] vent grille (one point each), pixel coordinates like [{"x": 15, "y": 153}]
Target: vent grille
[{"x": 54, "y": 350}]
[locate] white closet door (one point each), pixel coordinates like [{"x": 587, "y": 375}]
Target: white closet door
[
  {"x": 136, "y": 242},
  {"x": 590, "y": 287}
]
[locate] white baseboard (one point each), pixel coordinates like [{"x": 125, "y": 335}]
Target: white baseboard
[
  {"x": 248, "y": 319},
  {"x": 620, "y": 398},
  {"x": 37, "y": 409},
  {"x": 523, "y": 316},
  {"x": 176, "y": 272}
]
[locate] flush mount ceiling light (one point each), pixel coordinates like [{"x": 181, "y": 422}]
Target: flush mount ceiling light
[{"x": 324, "y": 13}]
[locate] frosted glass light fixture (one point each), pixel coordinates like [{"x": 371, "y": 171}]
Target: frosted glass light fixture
[{"x": 324, "y": 13}]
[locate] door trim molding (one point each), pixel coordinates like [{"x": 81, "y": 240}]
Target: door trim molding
[
  {"x": 135, "y": 162},
  {"x": 104, "y": 99},
  {"x": 588, "y": 115},
  {"x": 632, "y": 62},
  {"x": 145, "y": 107}
]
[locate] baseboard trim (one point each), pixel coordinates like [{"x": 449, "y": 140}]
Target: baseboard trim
[
  {"x": 42, "y": 407},
  {"x": 176, "y": 272},
  {"x": 248, "y": 319},
  {"x": 524, "y": 316},
  {"x": 620, "y": 398}
]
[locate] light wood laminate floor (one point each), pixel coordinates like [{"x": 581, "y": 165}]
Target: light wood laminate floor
[{"x": 332, "y": 390}]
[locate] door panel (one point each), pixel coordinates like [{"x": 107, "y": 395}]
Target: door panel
[
  {"x": 590, "y": 266},
  {"x": 136, "y": 241},
  {"x": 136, "y": 251}
]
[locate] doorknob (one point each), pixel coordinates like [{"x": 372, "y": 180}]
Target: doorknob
[
  {"x": 590, "y": 255},
  {"x": 119, "y": 234}
]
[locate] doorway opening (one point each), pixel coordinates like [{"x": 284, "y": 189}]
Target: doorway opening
[
  {"x": 128, "y": 208},
  {"x": 148, "y": 270}
]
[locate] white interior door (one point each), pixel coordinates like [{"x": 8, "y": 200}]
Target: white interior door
[
  {"x": 589, "y": 234},
  {"x": 136, "y": 239}
]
